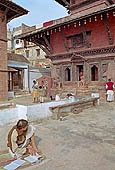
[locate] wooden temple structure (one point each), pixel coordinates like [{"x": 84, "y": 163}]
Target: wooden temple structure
[
  {"x": 81, "y": 46},
  {"x": 8, "y": 11}
]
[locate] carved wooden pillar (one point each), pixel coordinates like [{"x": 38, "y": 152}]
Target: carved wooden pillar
[
  {"x": 63, "y": 74},
  {"x": 61, "y": 71},
  {"x": 110, "y": 40},
  {"x": 84, "y": 70},
  {"x": 87, "y": 71},
  {"x": 114, "y": 70},
  {"x": 100, "y": 72},
  {"x": 73, "y": 76}
]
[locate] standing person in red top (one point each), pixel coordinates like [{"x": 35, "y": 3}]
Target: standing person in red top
[{"x": 110, "y": 92}]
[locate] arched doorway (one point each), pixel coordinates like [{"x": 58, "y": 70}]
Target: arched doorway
[
  {"x": 94, "y": 73},
  {"x": 67, "y": 74}
]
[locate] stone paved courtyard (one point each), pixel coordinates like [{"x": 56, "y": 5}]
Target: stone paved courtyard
[{"x": 81, "y": 142}]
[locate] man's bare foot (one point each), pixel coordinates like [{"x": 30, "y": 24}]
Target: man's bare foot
[{"x": 39, "y": 151}]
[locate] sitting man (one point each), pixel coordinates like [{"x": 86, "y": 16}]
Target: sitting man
[{"x": 21, "y": 140}]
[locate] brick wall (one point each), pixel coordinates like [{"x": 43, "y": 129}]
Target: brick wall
[
  {"x": 3, "y": 60},
  {"x": 98, "y": 37}
]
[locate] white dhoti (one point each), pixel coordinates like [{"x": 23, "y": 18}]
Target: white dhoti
[{"x": 110, "y": 95}]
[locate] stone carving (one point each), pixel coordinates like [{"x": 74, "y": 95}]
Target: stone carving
[{"x": 104, "y": 72}]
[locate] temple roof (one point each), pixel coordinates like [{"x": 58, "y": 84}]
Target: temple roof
[
  {"x": 67, "y": 2},
  {"x": 17, "y": 57},
  {"x": 67, "y": 20},
  {"x": 11, "y": 9},
  {"x": 63, "y": 2}
]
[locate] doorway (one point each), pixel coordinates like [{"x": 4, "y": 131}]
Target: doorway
[
  {"x": 94, "y": 73},
  {"x": 67, "y": 74},
  {"x": 79, "y": 72}
]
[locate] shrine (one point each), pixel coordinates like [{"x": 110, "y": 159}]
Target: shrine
[{"x": 81, "y": 46}]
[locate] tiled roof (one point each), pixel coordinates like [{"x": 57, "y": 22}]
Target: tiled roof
[
  {"x": 63, "y": 2},
  {"x": 12, "y": 69},
  {"x": 12, "y": 9},
  {"x": 17, "y": 57}
]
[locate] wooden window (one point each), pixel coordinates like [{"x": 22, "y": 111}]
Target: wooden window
[
  {"x": 94, "y": 73},
  {"x": 17, "y": 41},
  {"x": 77, "y": 40},
  {"x": 38, "y": 52},
  {"x": 27, "y": 53}
]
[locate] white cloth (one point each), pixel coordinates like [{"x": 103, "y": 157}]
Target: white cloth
[
  {"x": 110, "y": 95},
  {"x": 57, "y": 98},
  {"x": 30, "y": 132},
  {"x": 16, "y": 151}
]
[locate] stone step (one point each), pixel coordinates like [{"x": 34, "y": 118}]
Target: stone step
[{"x": 21, "y": 93}]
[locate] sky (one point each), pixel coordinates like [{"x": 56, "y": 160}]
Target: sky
[{"x": 40, "y": 11}]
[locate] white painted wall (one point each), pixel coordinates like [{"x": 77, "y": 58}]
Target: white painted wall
[
  {"x": 30, "y": 113},
  {"x": 11, "y": 115},
  {"x": 19, "y": 45},
  {"x": 25, "y": 80}
]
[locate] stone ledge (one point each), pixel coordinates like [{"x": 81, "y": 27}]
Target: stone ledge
[
  {"x": 73, "y": 107},
  {"x": 7, "y": 105}
]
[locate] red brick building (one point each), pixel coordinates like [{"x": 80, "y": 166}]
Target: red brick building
[
  {"x": 8, "y": 11},
  {"x": 84, "y": 41}
]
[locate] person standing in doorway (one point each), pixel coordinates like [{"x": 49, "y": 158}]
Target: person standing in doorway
[
  {"x": 35, "y": 91},
  {"x": 81, "y": 78},
  {"x": 110, "y": 92},
  {"x": 81, "y": 74}
]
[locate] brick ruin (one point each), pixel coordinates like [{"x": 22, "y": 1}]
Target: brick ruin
[{"x": 83, "y": 42}]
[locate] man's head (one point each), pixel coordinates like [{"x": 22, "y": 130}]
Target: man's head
[
  {"x": 34, "y": 81},
  {"x": 109, "y": 79},
  {"x": 22, "y": 126}
]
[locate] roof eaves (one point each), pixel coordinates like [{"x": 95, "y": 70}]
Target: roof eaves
[
  {"x": 68, "y": 20},
  {"x": 17, "y": 57},
  {"x": 14, "y": 10},
  {"x": 63, "y": 2}
]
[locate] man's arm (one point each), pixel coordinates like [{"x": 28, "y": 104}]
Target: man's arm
[
  {"x": 106, "y": 86},
  {"x": 34, "y": 145}
]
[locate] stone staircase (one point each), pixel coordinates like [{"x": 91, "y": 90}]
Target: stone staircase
[
  {"x": 67, "y": 90},
  {"x": 78, "y": 90},
  {"x": 19, "y": 93},
  {"x": 82, "y": 91}
]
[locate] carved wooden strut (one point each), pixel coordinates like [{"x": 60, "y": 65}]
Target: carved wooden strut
[
  {"x": 86, "y": 41},
  {"x": 110, "y": 40}
]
